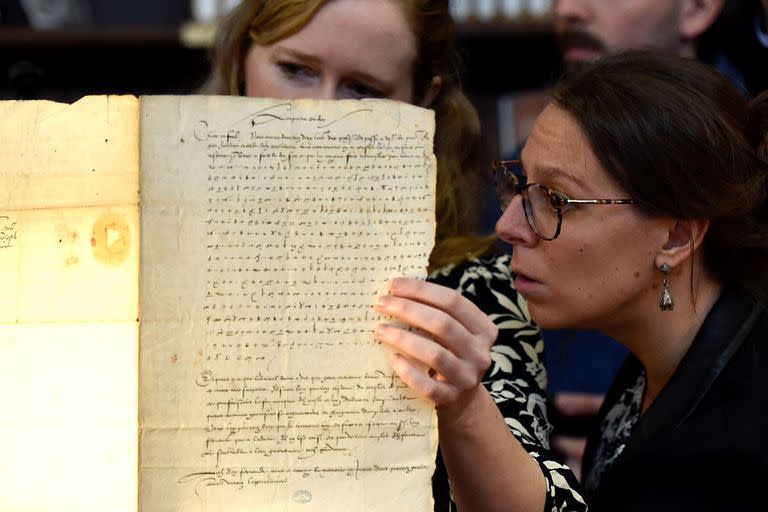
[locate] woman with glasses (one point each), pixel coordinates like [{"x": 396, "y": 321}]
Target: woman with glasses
[{"x": 639, "y": 208}]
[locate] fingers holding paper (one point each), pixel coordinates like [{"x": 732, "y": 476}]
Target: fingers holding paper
[{"x": 451, "y": 337}]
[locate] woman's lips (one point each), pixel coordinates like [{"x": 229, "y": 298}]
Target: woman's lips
[{"x": 525, "y": 284}]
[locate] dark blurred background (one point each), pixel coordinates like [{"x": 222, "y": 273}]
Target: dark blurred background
[
  {"x": 64, "y": 49},
  {"x": 95, "y": 47}
]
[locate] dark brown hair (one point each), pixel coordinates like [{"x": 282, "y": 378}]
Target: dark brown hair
[{"x": 684, "y": 143}]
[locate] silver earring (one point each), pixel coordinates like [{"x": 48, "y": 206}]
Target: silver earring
[{"x": 667, "y": 303}]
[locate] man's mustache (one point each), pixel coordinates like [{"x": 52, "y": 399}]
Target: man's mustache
[{"x": 571, "y": 37}]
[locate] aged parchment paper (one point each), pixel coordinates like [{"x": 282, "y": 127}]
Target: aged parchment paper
[
  {"x": 268, "y": 230},
  {"x": 271, "y": 227},
  {"x": 68, "y": 305}
]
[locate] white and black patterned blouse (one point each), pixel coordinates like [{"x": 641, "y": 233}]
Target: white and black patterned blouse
[
  {"x": 516, "y": 380},
  {"x": 616, "y": 431}
]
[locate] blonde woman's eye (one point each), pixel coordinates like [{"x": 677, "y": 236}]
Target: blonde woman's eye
[
  {"x": 360, "y": 90},
  {"x": 293, "y": 70}
]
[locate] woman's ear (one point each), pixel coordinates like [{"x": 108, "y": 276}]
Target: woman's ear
[
  {"x": 434, "y": 89},
  {"x": 683, "y": 238},
  {"x": 697, "y": 16}
]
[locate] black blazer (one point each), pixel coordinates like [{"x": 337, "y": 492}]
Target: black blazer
[{"x": 703, "y": 443}]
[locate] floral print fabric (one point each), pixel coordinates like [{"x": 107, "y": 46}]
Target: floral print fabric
[{"x": 517, "y": 379}]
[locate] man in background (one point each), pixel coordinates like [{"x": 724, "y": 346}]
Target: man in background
[{"x": 730, "y": 35}]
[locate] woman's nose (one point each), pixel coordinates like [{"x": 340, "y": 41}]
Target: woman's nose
[
  {"x": 328, "y": 90},
  {"x": 513, "y": 227}
]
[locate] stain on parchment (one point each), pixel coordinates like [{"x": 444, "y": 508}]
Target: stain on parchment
[
  {"x": 67, "y": 236},
  {"x": 111, "y": 239}
]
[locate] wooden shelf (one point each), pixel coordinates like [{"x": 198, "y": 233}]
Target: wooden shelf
[{"x": 122, "y": 36}]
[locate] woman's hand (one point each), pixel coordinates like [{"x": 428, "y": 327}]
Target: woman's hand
[{"x": 453, "y": 338}]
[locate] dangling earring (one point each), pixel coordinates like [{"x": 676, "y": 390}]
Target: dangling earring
[{"x": 667, "y": 303}]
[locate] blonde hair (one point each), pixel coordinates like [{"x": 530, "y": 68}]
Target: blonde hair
[{"x": 457, "y": 137}]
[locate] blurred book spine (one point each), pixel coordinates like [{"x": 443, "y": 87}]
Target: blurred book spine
[
  {"x": 209, "y": 11},
  {"x": 500, "y": 10}
]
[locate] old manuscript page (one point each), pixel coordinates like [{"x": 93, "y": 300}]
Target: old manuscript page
[
  {"x": 69, "y": 305},
  {"x": 268, "y": 230}
]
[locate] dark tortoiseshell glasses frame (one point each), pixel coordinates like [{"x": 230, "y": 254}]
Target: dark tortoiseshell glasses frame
[{"x": 509, "y": 184}]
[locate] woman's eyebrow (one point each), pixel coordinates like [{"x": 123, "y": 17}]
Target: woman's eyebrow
[
  {"x": 297, "y": 54},
  {"x": 552, "y": 172}
]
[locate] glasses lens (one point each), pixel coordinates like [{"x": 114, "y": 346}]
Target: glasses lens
[
  {"x": 507, "y": 181},
  {"x": 542, "y": 215}
]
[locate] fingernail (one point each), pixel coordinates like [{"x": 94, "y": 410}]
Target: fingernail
[{"x": 384, "y": 301}]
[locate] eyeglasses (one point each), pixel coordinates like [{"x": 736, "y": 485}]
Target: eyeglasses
[{"x": 543, "y": 206}]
